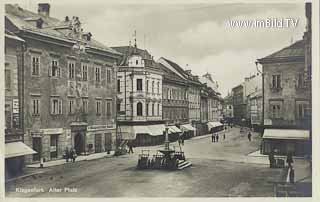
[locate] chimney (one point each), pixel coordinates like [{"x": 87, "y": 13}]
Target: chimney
[{"x": 44, "y": 9}]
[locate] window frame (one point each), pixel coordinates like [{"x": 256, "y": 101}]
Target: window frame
[{"x": 35, "y": 65}]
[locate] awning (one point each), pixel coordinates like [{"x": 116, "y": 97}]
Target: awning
[
  {"x": 156, "y": 130},
  {"x": 188, "y": 127},
  {"x": 213, "y": 125},
  {"x": 174, "y": 129},
  {"x": 290, "y": 134},
  {"x": 127, "y": 132},
  {"x": 14, "y": 149}
]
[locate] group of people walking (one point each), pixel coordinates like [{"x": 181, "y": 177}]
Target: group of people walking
[
  {"x": 70, "y": 154},
  {"x": 215, "y": 137}
]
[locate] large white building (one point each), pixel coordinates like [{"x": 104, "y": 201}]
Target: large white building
[{"x": 139, "y": 103}]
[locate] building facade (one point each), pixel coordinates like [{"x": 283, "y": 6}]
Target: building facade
[
  {"x": 228, "y": 108},
  {"x": 15, "y": 149},
  {"x": 194, "y": 101},
  {"x": 287, "y": 97},
  {"x": 139, "y": 97},
  {"x": 69, "y": 85},
  {"x": 183, "y": 94},
  {"x": 239, "y": 105}
]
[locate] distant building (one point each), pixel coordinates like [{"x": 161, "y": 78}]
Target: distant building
[
  {"x": 239, "y": 105},
  {"x": 194, "y": 90},
  {"x": 228, "y": 108},
  {"x": 139, "y": 106},
  {"x": 69, "y": 85}
]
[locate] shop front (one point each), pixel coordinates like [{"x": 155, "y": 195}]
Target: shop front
[
  {"x": 188, "y": 130},
  {"x": 284, "y": 141},
  {"x": 15, "y": 152}
]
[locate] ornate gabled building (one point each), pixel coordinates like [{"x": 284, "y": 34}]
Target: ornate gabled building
[
  {"x": 139, "y": 90},
  {"x": 69, "y": 84}
]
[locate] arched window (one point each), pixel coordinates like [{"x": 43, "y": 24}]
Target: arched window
[
  {"x": 152, "y": 109},
  {"x": 139, "y": 109},
  {"x": 152, "y": 86},
  {"x": 147, "y": 109}
]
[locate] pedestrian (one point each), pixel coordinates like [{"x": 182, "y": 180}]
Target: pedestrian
[
  {"x": 73, "y": 154},
  {"x": 66, "y": 154},
  {"x": 289, "y": 159},
  {"x": 249, "y": 136},
  {"x": 179, "y": 141},
  {"x": 225, "y": 128},
  {"x": 271, "y": 159},
  {"x": 130, "y": 147},
  {"x": 182, "y": 140},
  {"x": 217, "y": 137},
  {"x": 291, "y": 174},
  {"x": 212, "y": 136},
  {"x": 224, "y": 136}
]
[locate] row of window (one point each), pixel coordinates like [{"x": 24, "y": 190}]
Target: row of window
[
  {"x": 175, "y": 94},
  {"x": 54, "y": 70},
  {"x": 139, "y": 83},
  {"x": 56, "y": 106},
  {"x": 276, "y": 81},
  {"x": 276, "y": 110},
  {"x": 153, "y": 112}
]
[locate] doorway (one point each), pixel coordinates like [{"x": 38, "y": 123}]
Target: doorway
[
  {"x": 36, "y": 146},
  {"x": 97, "y": 143},
  {"x": 79, "y": 143}
]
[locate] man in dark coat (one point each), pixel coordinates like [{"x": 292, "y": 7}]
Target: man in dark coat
[
  {"x": 289, "y": 159},
  {"x": 217, "y": 137},
  {"x": 130, "y": 147},
  {"x": 66, "y": 154},
  {"x": 249, "y": 136},
  {"x": 73, "y": 154}
]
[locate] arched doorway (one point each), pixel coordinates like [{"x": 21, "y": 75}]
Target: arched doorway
[{"x": 78, "y": 143}]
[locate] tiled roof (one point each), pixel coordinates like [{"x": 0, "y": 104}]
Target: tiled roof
[
  {"x": 129, "y": 50},
  {"x": 177, "y": 67},
  {"x": 292, "y": 51},
  {"x": 169, "y": 74},
  {"x": 24, "y": 20}
]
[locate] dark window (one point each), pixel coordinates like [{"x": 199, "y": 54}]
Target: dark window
[
  {"x": 71, "y": 70},
  {"x": 300, "y": 80},
  {"x": 137, "y": 62},
  {"x": 147, "y": 109},
  {"x": 35, "y": 106},
  {"x": 7, "y": 79},
  {"x": 98, "y": 108},
  {"x": 118, "y": 86},
  {"x": 56, "y": 106},
  {"x": 85, "y": 106},
  {"x": 118, "y": 106},
  {"x": 108, "y": 109},
  {"x": 109, "y": 75},
  {"x": 55, "y": 70},
  {"x": 276, "y": 81},
  {"x": 85, "y": 72},
  {"x": 35, "y": 64},
  {"x": 139, "y": 109},
  {"x": 139, "y": 84},
  {"x": 53, "y": 146},
  {"x": 152, "y": 109},
  {"x": 97, "y": 73}
]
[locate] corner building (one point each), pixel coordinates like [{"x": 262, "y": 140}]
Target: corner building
[{"x": 69, "y": 84}]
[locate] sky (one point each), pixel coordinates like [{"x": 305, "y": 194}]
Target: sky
[{"x": 195, "y": 36}]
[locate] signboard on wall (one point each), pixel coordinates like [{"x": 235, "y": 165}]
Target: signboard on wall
[{"x": 15, "y": 113}]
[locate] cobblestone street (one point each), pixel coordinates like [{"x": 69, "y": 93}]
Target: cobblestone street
[{"x": 209, "y": 176}]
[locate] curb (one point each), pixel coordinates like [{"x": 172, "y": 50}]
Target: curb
[{"x": 23, "y": 176}]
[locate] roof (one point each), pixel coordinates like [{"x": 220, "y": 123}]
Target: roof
[
  {"x": 11, "y": 35},
  {"x": 290, "y": 134},
  {"x": 176, "y": 67},
  {"x": 127, "y": 51},
  {"x": 52, "y": 27},
  {"x": 169, "y": 74},
  {"x": 295, "y": 50}
]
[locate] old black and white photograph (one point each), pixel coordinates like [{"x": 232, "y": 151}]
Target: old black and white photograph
[{"x": 107, "y": 99}]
